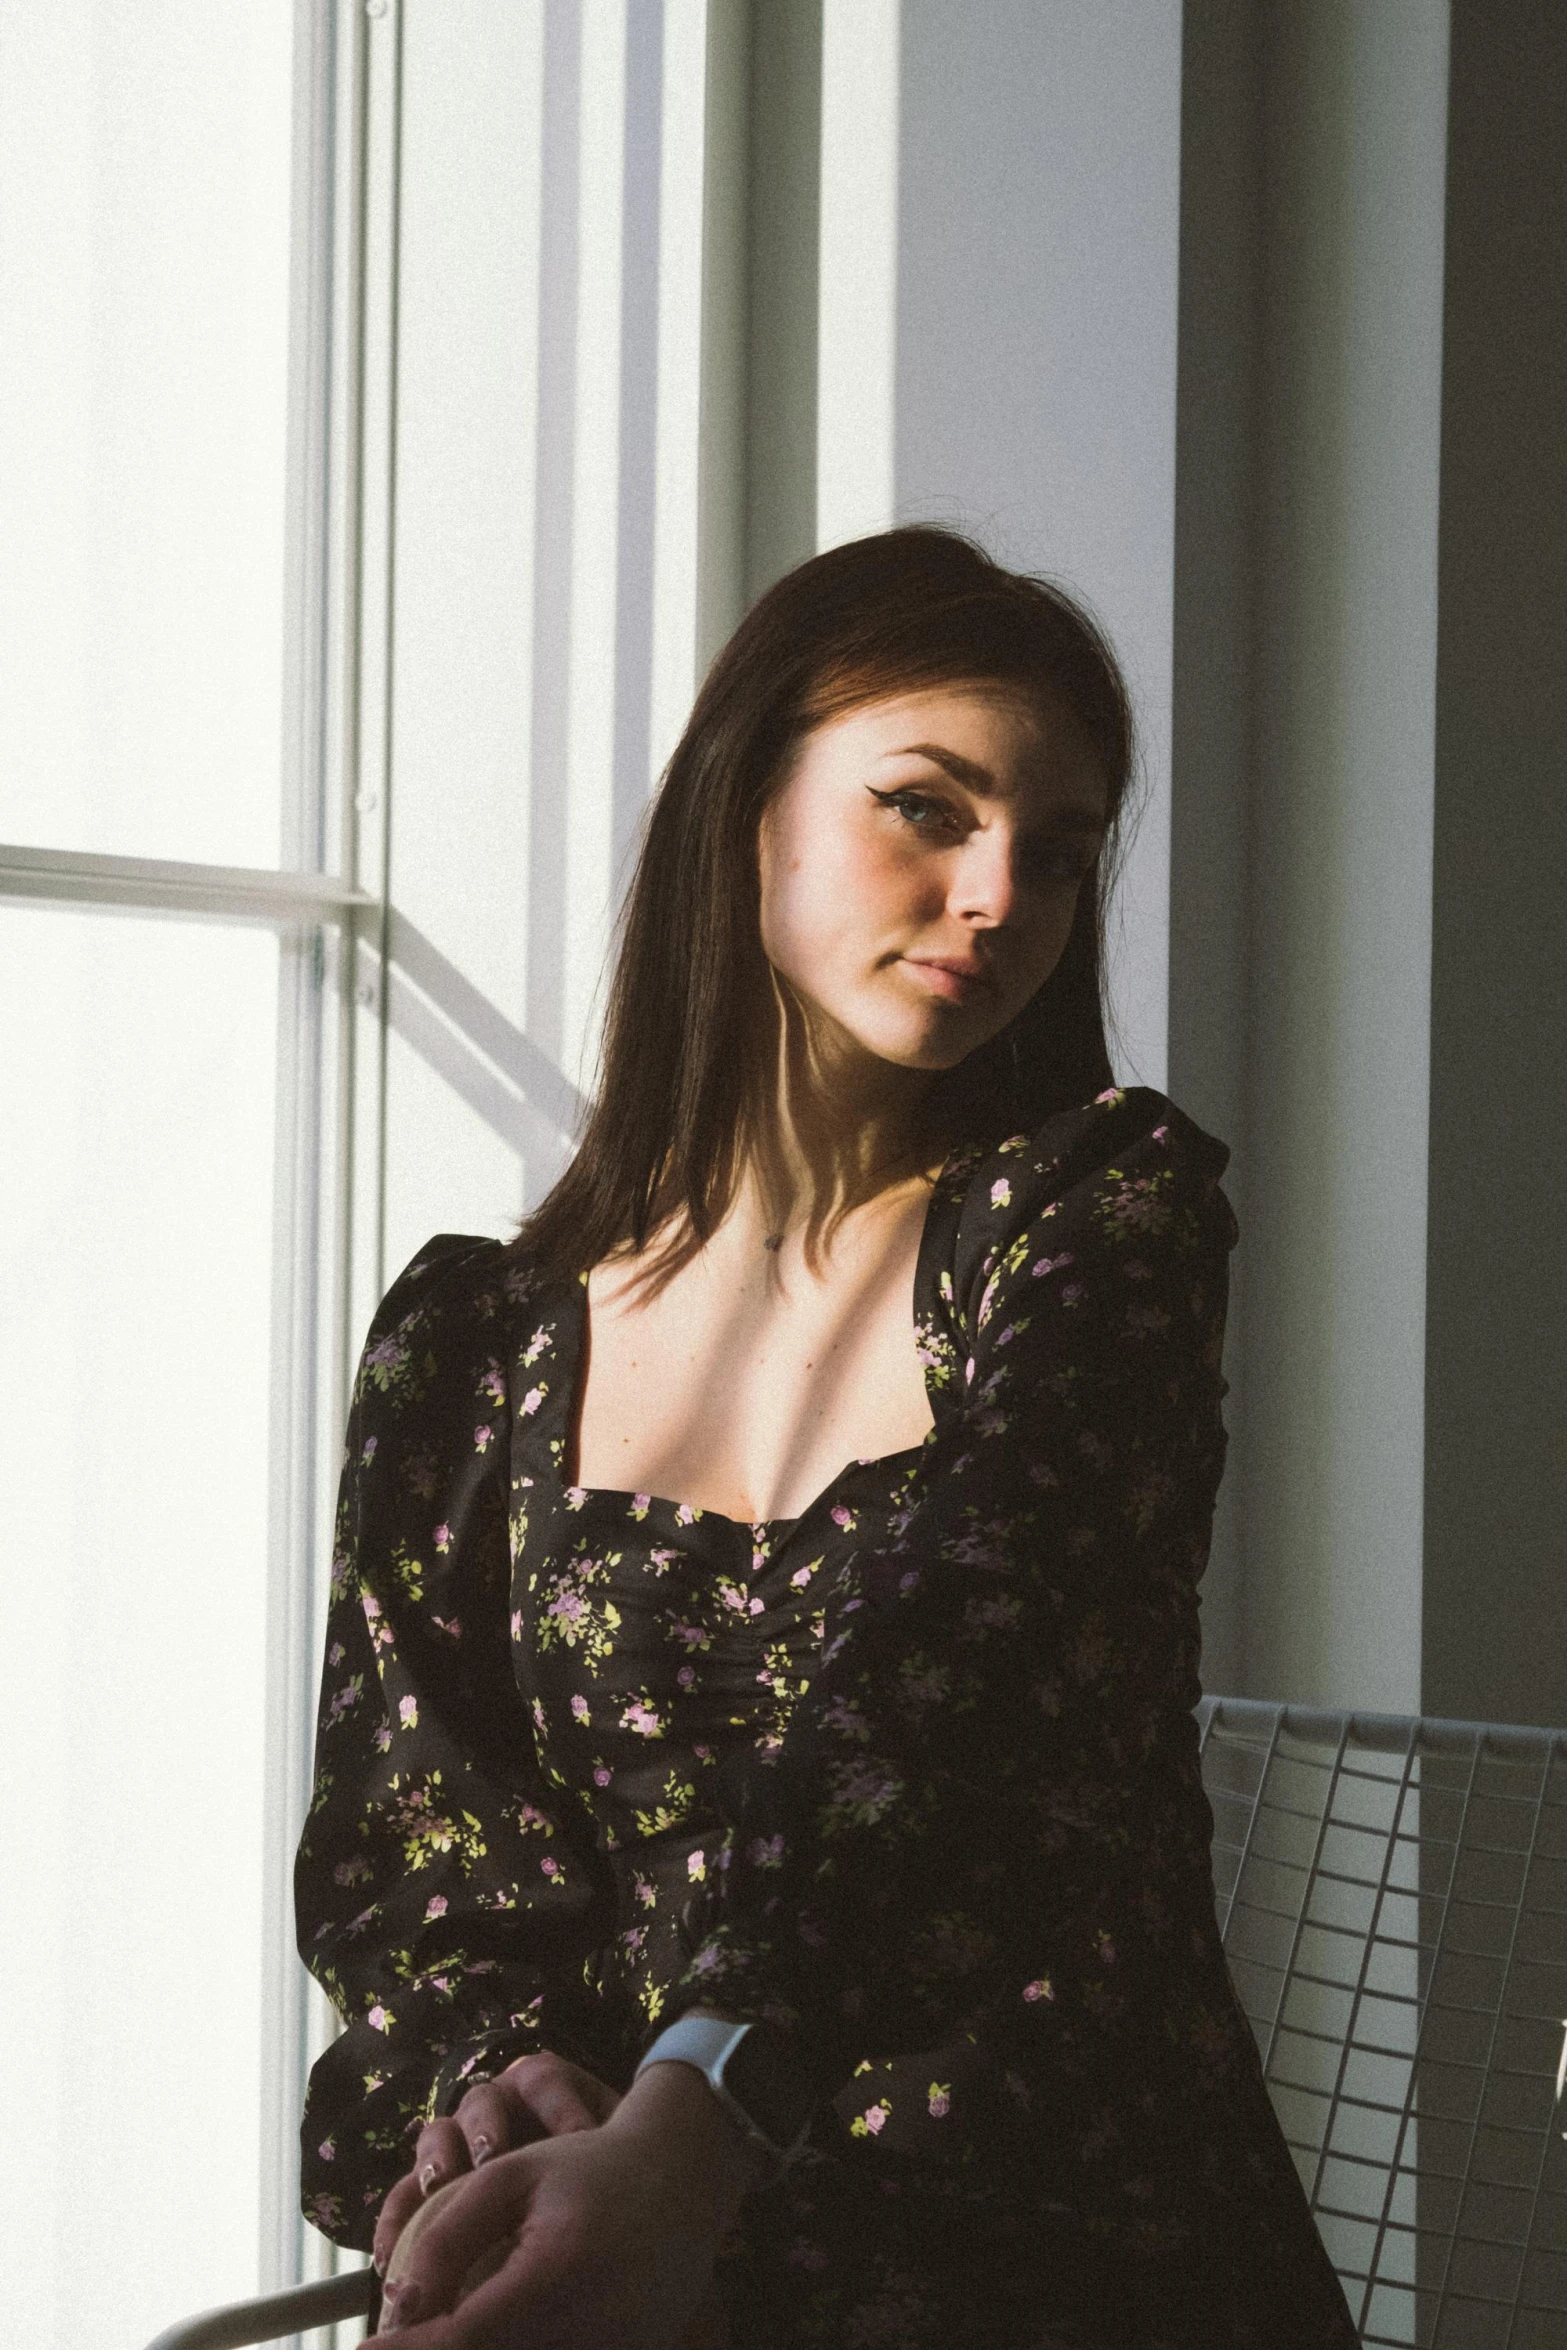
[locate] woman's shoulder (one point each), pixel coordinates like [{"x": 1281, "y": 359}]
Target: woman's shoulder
[
  {"x": 1127, "y": 1173},
  {"x": 455, "y": 1302}
]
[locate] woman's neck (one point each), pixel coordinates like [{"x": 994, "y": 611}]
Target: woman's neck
[{"x": 842, "y": 1128}]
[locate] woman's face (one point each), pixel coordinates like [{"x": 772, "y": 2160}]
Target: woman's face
[{"x": 921, "y": 865}]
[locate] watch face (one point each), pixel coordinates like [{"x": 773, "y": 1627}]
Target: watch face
[{"x": 764, "y": 2077}]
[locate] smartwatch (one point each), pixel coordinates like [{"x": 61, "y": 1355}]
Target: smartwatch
[{"x": 752, "y": 2073}]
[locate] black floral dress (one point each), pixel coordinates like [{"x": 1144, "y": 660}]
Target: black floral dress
[{"x": 914, "y": 1775}]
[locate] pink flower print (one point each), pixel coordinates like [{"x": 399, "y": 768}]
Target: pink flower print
[
  {"x": 685, "y": 1515},
  {"x": 576, "y": 1495},
  {"x": 529, "y": 1817},
  {"x": 336, "y": 1653},
  {"x": 641, "y": 1503},
  {"x": 703, "y": 1753},
  {"x": 1041, "y": 1988},
  {"x": 968, "y": 1372},
  {"x": 408, "y": 1712},
  {"x": 601, "y": 1774},
  {"x": 872, "y": 2121},
  {"x": 442, "y": 1537},
  {"x": 368, "y": 1454},
  {"x": 516, "y": 1623},
  {"x": 382, "y": 1738},
  {"x": 939, "y": 2101},
  {"x": 531, "y": 1402},
  {"x": 434, "y": 1908},
  {"x": 380, "y": 2019},
  {"x": 663, "y": 1559},
  {"x": 550, "y": 1866},
  {"x": 1070, "y": 1294},
  {"x": 492, "y": 1384},
  {"x": 349, "y": 1872},
  {"x": 686, "y": 1677},
  {"x": 327, "y": 2150},
  {"x": 1052, "y": 1264},
  {"x": 696, "y": 1867},
  {"x": 579, "y": 1706},
  {"x": 483, "y": 1437},
  {"x": 766, "y": 1852},
  {"x": 844, "y": 1518},
  {"x": 1001, "y": 1194},
  {"x": 643, "y": 1718},
  {"x": 1105, "y": 1948},
  {"x": 450, "y": 1625},
  {"x": 802, "y": 1575},
  {"x": 645, "y": 1893}
]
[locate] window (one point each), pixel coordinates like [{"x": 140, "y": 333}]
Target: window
[{"x": 355, "y": 569}]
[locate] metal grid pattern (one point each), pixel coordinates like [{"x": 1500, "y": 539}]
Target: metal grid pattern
[{"x": 1392, "y": 1895}]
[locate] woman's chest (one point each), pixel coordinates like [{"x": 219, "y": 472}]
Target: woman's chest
[{"x": 746, "y": 1387}]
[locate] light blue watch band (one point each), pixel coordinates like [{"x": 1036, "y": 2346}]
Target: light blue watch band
[{"x": 706, "y": 2043}]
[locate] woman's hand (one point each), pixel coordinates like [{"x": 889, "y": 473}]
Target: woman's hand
[
  {"x": 540, "y": 2096},
  {"x": 605, "y": 2236}
]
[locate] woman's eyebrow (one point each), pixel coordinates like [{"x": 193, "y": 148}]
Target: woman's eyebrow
[
  {"x": 1073, "y": 817},
  {"x": 965, "y": 771}
]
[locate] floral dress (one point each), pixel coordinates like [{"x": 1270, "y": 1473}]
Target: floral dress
[{"x": 913, "y": 1775}]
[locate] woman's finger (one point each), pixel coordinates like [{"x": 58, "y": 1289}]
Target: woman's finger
[
  {"x": 441, "y": 2153},
  {"x": 397, "y": 2210},
  {"x": 560, "y": 2096},
  {"x": 462, "y": 2237},
  {"x": 492, "y": 2121}
]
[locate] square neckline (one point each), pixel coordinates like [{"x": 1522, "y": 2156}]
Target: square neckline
[{"x": 924, "y": 1287}]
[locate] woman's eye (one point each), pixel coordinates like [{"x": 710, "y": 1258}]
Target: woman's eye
[
  {"x": 1063, "y": 861},
  {"x": 918, "y": 809}
]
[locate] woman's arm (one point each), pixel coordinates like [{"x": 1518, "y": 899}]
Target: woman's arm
[
  {"x": 445, "y": 1903},
  {"x": 986, "y": 1825}
]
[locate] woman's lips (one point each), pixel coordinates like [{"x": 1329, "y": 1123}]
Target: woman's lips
[{"x": 954, "y": 982}]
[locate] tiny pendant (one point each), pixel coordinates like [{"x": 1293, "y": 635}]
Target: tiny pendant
[{"x": 774, "y": 1240}]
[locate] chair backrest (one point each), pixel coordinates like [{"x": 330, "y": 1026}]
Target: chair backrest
[{"x": 1392, "y": 1895}]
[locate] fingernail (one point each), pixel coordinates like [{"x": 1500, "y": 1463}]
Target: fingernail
[
  {"x": 400, "y": 2308},
  {"x": 378, "y": 2262},
  {"x": 428, "y": 2176},
  {"x": 482, "y": 2150}
]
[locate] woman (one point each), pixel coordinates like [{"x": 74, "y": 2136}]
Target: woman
[{"x": 766, "y": 1594}]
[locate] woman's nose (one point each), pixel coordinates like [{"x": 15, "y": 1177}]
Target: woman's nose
[{"x": 985, "y": 886}]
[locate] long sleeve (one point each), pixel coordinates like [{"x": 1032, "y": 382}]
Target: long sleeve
[
  {"x": 444, "y": 1901},
  {"x": 986, "y": 1823}
]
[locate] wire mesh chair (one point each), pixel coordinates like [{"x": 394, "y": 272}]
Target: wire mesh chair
[{"x": 1392, "y": 1895}]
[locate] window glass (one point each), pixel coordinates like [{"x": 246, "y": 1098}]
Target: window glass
[
  {"x": 135, "y": 1288},
  {"x": 144, "y": 259}
]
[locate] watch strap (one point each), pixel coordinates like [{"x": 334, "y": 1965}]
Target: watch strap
[{"x": 707, "y": 2043}]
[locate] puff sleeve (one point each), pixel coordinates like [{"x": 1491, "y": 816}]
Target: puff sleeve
[{"x": 443, "y": 1902}]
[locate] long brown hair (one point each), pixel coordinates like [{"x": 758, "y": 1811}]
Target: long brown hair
[{"x": 690, "y": 1034}]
